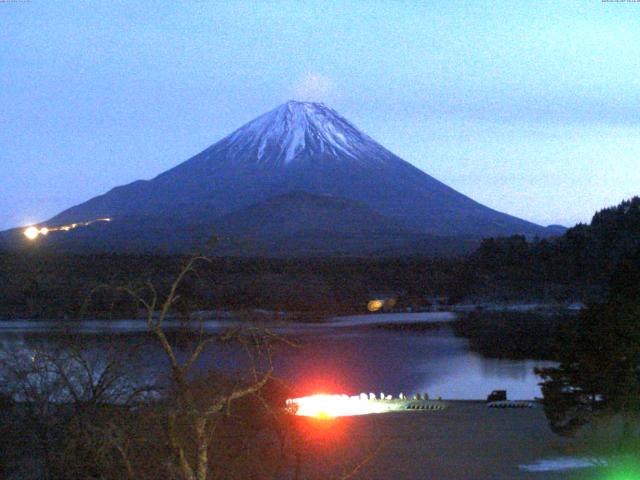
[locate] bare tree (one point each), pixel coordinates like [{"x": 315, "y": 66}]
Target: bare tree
[
  {"x": 95, "y": 418},
  {"x": 198, "y": 416},
  {"x": 65, "y": 392}
]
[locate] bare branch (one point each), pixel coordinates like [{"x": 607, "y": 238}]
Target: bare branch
[
  {"x": 174, "y": 287},
  {"x": 197, "y": 352},
  {"x": 182, "y": 459},
  {"x": 237, "y": 394}
]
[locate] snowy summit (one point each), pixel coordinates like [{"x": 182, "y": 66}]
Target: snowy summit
[{"x": 297, "y": 130}]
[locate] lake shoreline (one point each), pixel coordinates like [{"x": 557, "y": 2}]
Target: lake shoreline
[{"x": 320, "y": 317}]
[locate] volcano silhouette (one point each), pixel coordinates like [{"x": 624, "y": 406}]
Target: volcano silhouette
[{"x": 299, "y": 179}]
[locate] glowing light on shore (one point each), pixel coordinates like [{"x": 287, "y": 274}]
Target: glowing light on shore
[
  {"x": 33, "y": 232},
  {"x": 375, "y": 305},
  {"x": 323, "y": 406}
]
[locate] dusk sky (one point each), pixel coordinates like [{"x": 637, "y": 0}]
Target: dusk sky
[{"x": 531, "y": 107}]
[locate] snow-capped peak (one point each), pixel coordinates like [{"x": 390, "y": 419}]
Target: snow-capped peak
[{"x": 299, "y": 130}]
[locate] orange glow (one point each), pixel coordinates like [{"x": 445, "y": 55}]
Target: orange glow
[
  {"x": 375, "y": 305},
  {"x": 323, "y": 406},
  {"x": 34, "y": 232}
]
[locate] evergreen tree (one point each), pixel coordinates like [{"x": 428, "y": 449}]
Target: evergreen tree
[{"x": 599, "y": 372}]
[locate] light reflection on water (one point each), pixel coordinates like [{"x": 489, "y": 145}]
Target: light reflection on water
[
  {"x": 435, "y": 362},
  {"x": 332, "y": 359}
]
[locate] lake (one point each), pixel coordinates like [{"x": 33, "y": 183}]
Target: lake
[{"x": 344, "y": 355}]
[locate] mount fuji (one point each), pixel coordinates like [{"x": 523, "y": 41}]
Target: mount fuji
[{"x": 300, "y": 179}]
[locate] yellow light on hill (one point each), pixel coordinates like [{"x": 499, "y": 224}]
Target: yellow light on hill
[{"x": 31, "y": 233}]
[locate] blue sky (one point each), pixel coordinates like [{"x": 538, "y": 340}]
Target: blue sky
[{"x": 532, "y": 107}]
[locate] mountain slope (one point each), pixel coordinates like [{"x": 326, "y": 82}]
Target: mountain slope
[
  {"x": 297, "y": 147},
  {"x": 295, "y": 224},
  {"x": 299, "y": 223}
]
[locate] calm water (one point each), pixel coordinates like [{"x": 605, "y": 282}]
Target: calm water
[{"x": 347, "y": 355}]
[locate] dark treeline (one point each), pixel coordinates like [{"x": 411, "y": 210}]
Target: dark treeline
[
  {"x": 41, "y": 285},
  {"x": 579, "y": 263},
  {"x": 598, "y": 376},
  {"x": 575, "y": 266},
  {"x": 515, "y": 335},
  {"x": 589, "y": 262}
]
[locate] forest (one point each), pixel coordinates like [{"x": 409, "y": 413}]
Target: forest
[{"x": 577, "y": 265}]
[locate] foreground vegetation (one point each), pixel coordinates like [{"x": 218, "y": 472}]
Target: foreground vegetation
[
  {"x": 69, "y": 411},
  {"x": 42, "y": 285},
  {"x": 599, "y": 371}
]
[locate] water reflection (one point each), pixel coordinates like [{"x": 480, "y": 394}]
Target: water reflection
[
  {"x": 435, "y": 362},
  {"x": 510, "y": 369},
  {"x": 328, "y": 359}
]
